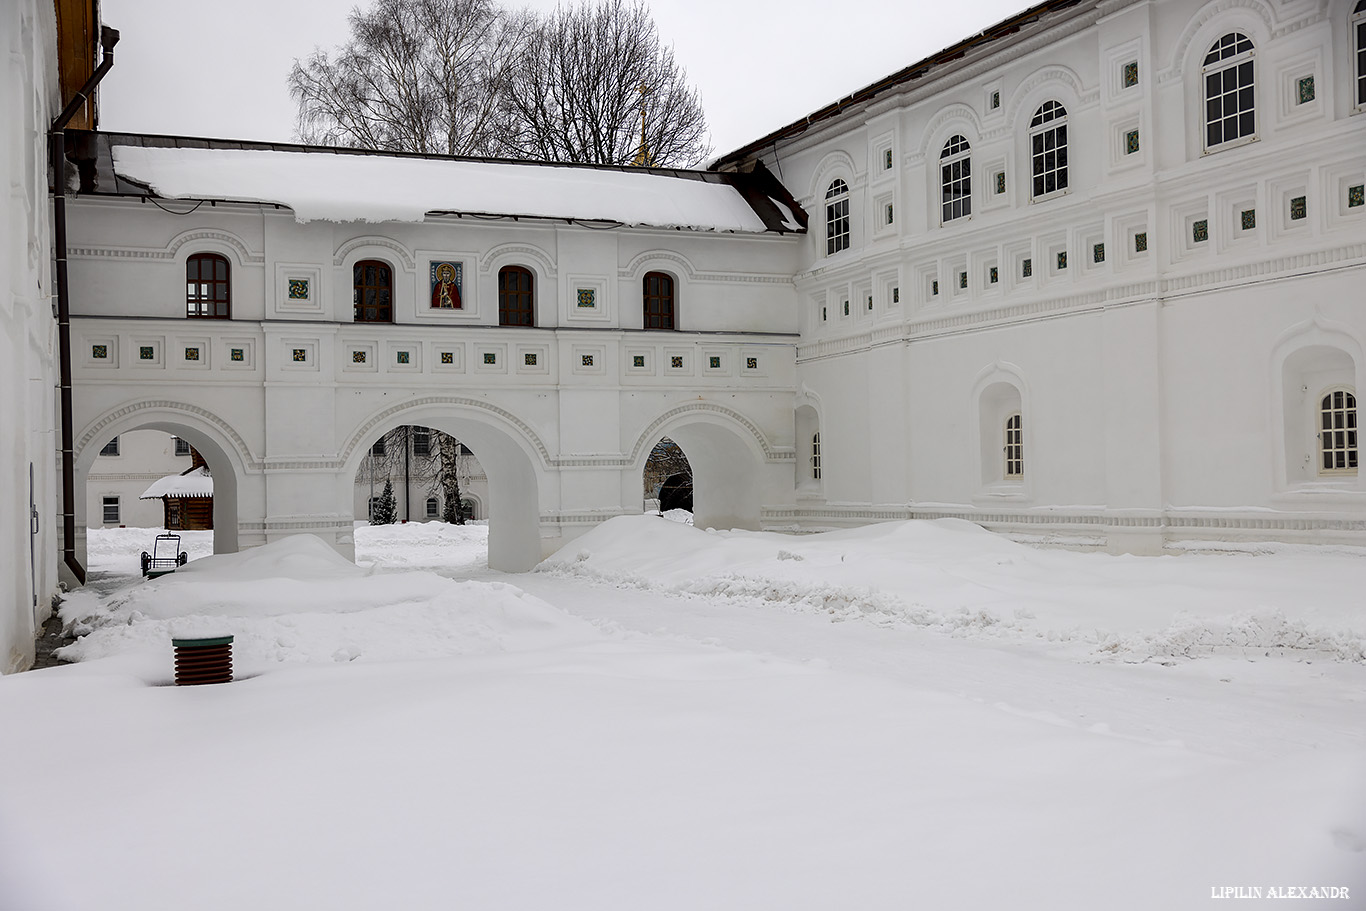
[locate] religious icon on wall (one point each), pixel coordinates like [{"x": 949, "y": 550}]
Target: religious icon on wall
[{"x": 446, "y": 282}]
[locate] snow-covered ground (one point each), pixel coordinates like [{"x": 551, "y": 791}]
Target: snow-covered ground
[{"x": 902, "y": 716}]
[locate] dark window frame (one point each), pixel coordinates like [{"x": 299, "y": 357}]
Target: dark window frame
[
  {"x": 111, "y": 448},
  {"x": 516, "y": 296},
  {"x": 659, "y": 301},
  {"x": 208, "y": 296},
  {"x": 368, "y": 292}
]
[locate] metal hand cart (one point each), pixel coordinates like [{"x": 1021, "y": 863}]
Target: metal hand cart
[{"x": 166, "y": 555}]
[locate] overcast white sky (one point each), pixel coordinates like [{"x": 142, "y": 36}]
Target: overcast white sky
[{"x": 201, "y": 68}]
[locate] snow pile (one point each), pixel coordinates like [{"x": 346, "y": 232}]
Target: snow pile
[
  {"x": 321, "y": 186},
  {"x": 424, "y": 545},
  {"x": 298, "y": 600},
  {"x": 116, "y": 551},
  {"x": 955, "y": 577}
]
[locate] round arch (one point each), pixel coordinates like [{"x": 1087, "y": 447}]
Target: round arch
[
  {"x": 726, "y": 452},
  {"x": 222, "y": 448},
  {"x": 511, "y": 460}
]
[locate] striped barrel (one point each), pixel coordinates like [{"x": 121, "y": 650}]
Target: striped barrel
[{"x": 203, "y": 660}]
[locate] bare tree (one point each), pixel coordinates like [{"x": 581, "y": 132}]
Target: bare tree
[
  {"x": 417, "y": 76},
  {"x": 593, "y": 84},
  {"x": 422, "y": 457}
]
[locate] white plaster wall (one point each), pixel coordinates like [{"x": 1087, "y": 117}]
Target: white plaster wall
[
  {"x": 144, "y": 456},
  {"x": 28, "y": 573}
]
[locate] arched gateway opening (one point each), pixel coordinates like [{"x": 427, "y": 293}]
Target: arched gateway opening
[
  {"x": 124, "y": 436},
  {"x": 505, "y": 456},
  {"x": 724, "y": 454}
]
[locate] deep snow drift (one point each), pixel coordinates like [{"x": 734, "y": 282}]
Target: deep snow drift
[{"x": 910, "y": 715}]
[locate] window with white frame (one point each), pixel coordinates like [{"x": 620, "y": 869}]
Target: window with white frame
[
  {"x": 836, "y": 217},
  {"x": 955, "y": 178},
  {"x": 182, "y": 448},
  {"x": 111, "y": 448},
  {"x": 1014, "y": 448},
  {"x": 1358, "y": 25},
  {"x": 1230, "y": 109},
  {"x": 111, "y": 510},
  {"x": 1338, "y": 432},
  {"x": 1048, "y": 149},
  {"x": 432, "y": 508},
  {"x": 816, "y": 456}
]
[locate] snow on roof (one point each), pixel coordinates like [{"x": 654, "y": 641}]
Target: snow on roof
[
  {"x": 197, "y": 483},
  {"x": 373, "y": 188}
]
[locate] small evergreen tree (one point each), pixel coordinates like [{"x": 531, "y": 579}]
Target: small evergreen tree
[{"x": 386, "y": 510}]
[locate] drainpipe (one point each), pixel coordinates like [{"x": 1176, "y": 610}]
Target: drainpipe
[{"x": 57, "y": 149}]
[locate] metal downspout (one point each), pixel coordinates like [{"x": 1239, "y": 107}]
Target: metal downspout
[{"x": 57, "y": 150}]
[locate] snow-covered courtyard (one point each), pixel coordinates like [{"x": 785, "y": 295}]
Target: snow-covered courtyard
[{"x": 908, "y": 715}]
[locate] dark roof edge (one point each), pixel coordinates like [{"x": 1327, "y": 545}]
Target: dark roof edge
[{"x": 916, "y": 70}]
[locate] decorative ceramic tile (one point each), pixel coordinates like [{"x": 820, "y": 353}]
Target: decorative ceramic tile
[
  {"x": 401, "y": 357},
  {"x": 301, "y": 354},
  {"x": 1027, "y": 268},
  {"x": 448, "y": 357},
  {"x": 1000, "y": 182},
  {"x": 962, "y": 279},
  {"x": 1131, "y": 142},
  {"x": 99, "y": 352},
  {"x": 934, "y": 287},
  {"x": 886, "y": 159},
  {"x": 1356, "y": 196},
  {"x": 715, "y": 362},
  {"x": 490, "y": 357},
  {"x": 677, "y": 362},
  {"x": 588, "y": 297},
  {"x": 1306, "y": 89},
  {"x": 1141, "y": 242},
  {"x": 638, "y": 360},
  {"x": 298, "y": 289},
  {"x": 870, "y": 302},
  {"x": 896, "y": 295},
  {"x": 751, "y": 363},
  {"x": 1200, "y": 231},
  {"x": 1062, "y": 260},
  {"x": 530, "y": 360},
  {"x": 994, "y": 276},
  {"x": 1131, "y": 74},
  {"x": 995, "y": 100},
  {"x": 1299, "y": 208},
  {"x": 191, "y": 354},
  {"x": 888, "y": 213},
  {"x": 846, "y": 308},
  {"x": 147, "y": 352},
  {"x": 237, "y": 354},
  {"x": 358, "y": 357},
  {"x": 1098, "y": 253},
  {"x": 1248, "y": 219}
]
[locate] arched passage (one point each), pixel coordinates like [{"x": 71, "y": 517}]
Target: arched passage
[
  {"x": 211, "y": 438},
  {"x": 503, "y": 451},
  {"x": 725, "y": 456}
]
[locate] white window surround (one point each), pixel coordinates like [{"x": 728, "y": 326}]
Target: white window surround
[
  {"x": 1013, "y": 450},
  {"x": 1357, "y": 26},
  {"x": 1228, "y": 113},
  {"x": 837, "y": 235},
  {"x": 1337, "y": 432},
  {"x": 110, "y": 506},
  {"x": 955, "y": 179},
  {"x": 1048, "y": 151}
]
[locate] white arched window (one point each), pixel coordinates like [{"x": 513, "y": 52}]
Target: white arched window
[
  {"x": 1048, "y": 149},
  {"x": 836, "y": 217},
  {"x": 1014, "y": 447},
  {"x": 955, "y": 178},
  {"x": 1230, "y": 109},
  {"x": 1358, "y": 25},
  {"x": 1338, "y": 432}
]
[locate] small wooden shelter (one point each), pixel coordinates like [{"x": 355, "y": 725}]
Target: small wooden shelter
[{"x": 187, "y": 498}]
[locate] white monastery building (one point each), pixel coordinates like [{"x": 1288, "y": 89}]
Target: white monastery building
[{"x": 1092, "y": 277}]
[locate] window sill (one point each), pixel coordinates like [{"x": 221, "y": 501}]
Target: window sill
[
  {"x": 1231, "y": 144},
  {"x": 1001, "y": 492}
]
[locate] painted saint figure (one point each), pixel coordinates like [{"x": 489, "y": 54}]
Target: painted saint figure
[{"x": 445, "y": 286}]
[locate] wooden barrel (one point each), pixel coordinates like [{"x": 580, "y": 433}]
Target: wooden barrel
[{"x": 203, "y": 660}]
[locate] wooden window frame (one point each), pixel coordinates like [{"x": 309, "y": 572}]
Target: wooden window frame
[
  {"x": 659, "y": 305},
  {"x": 516, "y": 305},
  {"x": 202, "y": 298},
  {"x": 384, "y": 311}
]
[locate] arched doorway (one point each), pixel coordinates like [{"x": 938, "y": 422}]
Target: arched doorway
[
  {"x": 725, "y": 456},
  {"x": 432, "y": 476},
  {"x": 668, "y": 477}
]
